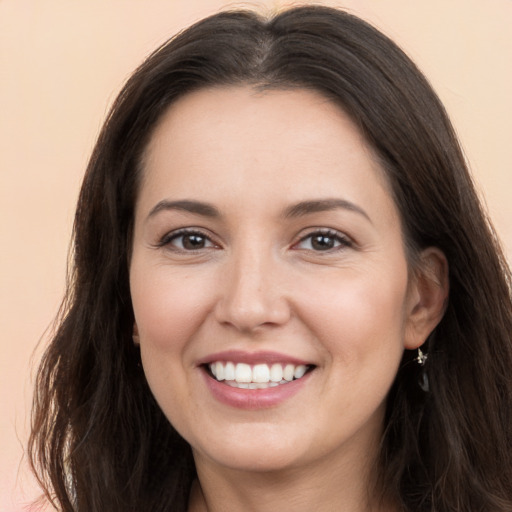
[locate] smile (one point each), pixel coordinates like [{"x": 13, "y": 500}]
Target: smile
[
  {"x": 257, "y": 380},
  {"x": 258, "y": 376}
]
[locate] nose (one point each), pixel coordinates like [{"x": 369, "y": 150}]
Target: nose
[{"x": 253, "y": 292}]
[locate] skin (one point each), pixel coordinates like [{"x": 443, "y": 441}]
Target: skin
[{"x": 256, "y": 282}]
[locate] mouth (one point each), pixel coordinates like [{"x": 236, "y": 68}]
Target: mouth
[{"x": 257, "y": 376}]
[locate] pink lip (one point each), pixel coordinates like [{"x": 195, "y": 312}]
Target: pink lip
[
  {"x": 251, "y": 399},
  {"x": 239, "y": 356}
]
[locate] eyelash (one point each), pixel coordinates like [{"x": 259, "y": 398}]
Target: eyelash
[
  {"x": 182, "y": 233},
  {"x": 341, "y": 240}
]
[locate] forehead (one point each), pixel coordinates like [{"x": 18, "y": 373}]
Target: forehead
[{"x": 230, "y": 140}]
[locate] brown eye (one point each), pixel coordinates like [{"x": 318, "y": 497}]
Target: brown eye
[
  {"x": 323, "y": 241},
  {"x": 193, "y": 242},
  {"x": 187, "y": 241}
]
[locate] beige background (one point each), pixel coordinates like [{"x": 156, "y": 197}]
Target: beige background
[{"x": 61, "y": 64}]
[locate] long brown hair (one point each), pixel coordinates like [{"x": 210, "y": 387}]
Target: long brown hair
[{"x": 99, "y": 440}]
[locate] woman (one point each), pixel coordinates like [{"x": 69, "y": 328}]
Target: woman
[{"x": 285, "y": 293}]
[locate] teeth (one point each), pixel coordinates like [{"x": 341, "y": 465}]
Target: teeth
[
  {"x": 243, "y": 372},
  {"x": 276, "y": 373},
  {"x": 219, "y": 371},
  {"x": 288, "y": 372},
  {"x": 299, "y": 371},
  {"x": 260, "y": 373},
  {"x": 259, "y": 376},
  {"x": 229, "y": 371}
]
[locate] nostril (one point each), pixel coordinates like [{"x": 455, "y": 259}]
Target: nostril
[{"x": 252, "y": 314}]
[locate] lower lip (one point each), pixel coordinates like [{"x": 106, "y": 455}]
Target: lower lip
[{"x": 251, "y": 399}]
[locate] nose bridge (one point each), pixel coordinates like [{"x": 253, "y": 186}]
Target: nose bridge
[{"x": 251, "y": 294}]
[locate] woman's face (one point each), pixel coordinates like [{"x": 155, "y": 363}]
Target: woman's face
[{"x": 267, "y": 245}]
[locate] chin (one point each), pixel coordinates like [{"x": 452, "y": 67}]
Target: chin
[
  {"x": 253, "y": 459},
  {"x": 254, "y": 449}
]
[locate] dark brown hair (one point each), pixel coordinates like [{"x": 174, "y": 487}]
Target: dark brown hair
[{"x": 99, "y": 440}]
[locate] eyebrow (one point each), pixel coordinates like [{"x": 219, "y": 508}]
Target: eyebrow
[
  {"x": 323, "y": 205},
  {"x": 296, "y": 210},
  {"x": 197, "y": 207}
]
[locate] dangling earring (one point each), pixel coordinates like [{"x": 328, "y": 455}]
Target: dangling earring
[
  {"x": 423, "y": 379},
  {"x": 422, "y": 358}
]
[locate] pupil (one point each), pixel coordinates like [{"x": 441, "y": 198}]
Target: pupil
[
  {"x": 193, "y": 242},
  {"x": 322, "y": 242}
]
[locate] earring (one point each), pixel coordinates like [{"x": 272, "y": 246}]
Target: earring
[
  {"x": 422, "y": 358},
  {"x": 423, "y": 378}
]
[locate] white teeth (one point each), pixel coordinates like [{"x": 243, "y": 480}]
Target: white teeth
[
  {"x": 219, "y": 371},
  {"x": 229, "y": 371},
  {"x": 288, "y": 372},
  {"x": 254, "y": 385},
  {"x": 243, "y": 372},
  {"x": 299, "y": 371},
  {"x": 276, "y": 373},
  {"x": 260, "y": 373},
  {"x": 259, "y": 376}
]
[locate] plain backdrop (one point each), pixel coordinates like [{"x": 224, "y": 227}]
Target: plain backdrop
[{"x": 61, "y": 65}]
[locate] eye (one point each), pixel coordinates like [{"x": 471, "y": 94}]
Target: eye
[
  {"x": 187, "y": 240},
  {"x": 323, "y": 241}
]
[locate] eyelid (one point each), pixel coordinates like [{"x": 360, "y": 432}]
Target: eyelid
[
  {"x": 167, "y": 238},
  {"x": 343, "y": 239}
]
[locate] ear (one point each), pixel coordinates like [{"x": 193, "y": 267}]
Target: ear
[
  {"x": 427, "y": 297},
  {"x": 135, "y": 334}
]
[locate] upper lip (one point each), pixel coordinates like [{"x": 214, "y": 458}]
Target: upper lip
[{"x": 261, "y": 357}]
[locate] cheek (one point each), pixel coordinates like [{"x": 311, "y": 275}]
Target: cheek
[
  {"x": 168, "y": 306},
  {"x": 169, "y": 309},
  {"x": 357, "y": 317}
]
